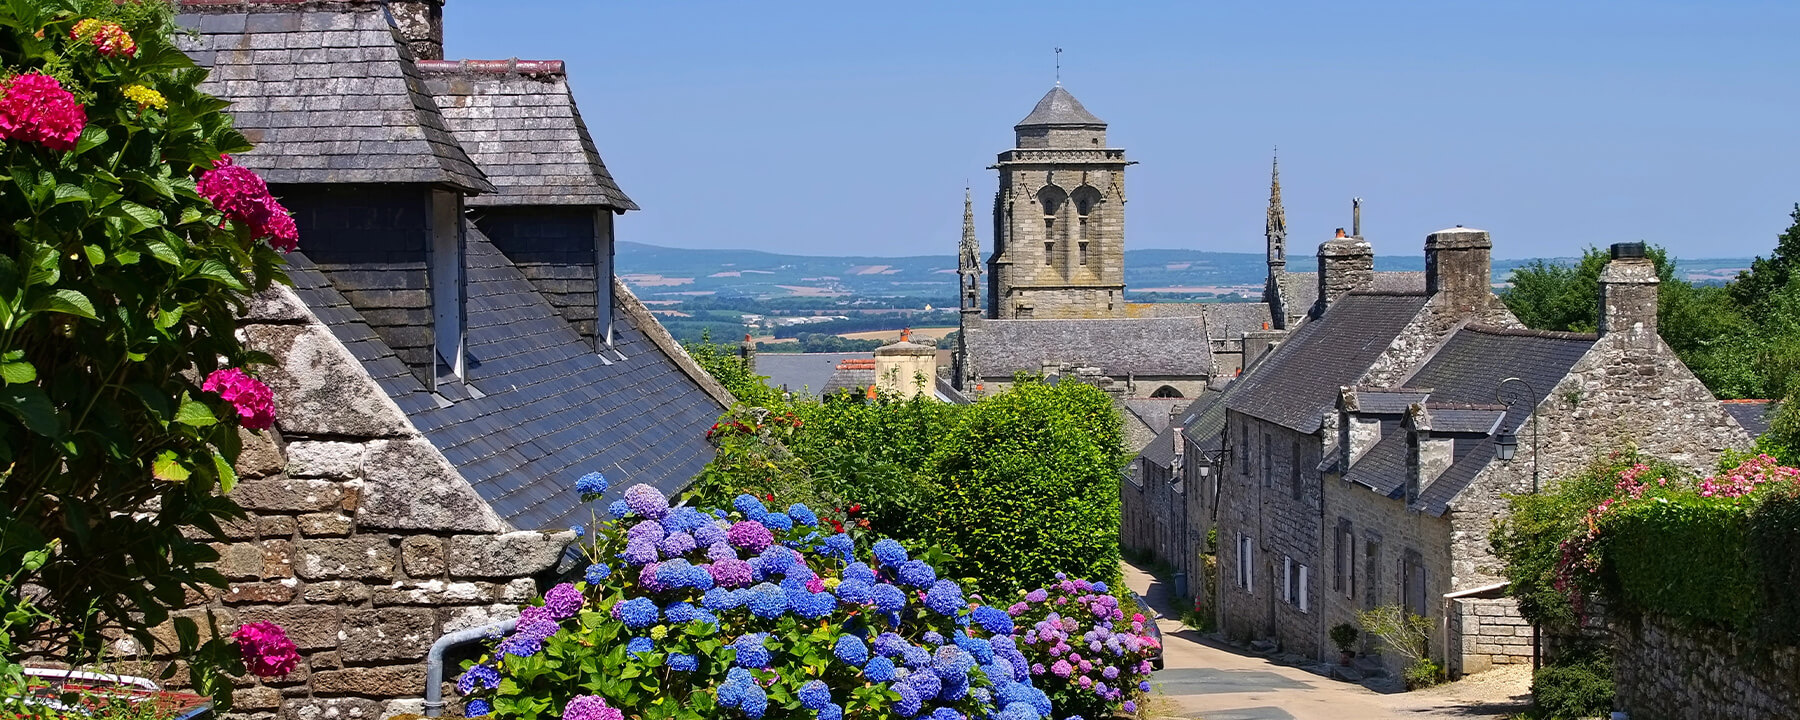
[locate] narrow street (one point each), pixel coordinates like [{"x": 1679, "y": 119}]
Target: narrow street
[{"x": 1202, "y": 678}]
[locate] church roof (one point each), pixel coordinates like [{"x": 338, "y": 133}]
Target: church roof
[
  {"x": 1059, "y": 108},
  {"x": 1117, "y": 346}
]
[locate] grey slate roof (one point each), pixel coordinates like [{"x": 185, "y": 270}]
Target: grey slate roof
[
  {"x": 854, "y": 380},
  {"x": 518, "y": 121},
  {"x": 1227, "y": 321},
  {"x": 1301, "y": 291},
  {"x": 1464, "y": 419},
  {"x": 1155, "y": 413},
  {"x": 327, "y": 92},
  {"x": 1117, "y": 346},
  {"x": 1059, "y": 108},
  {"x": 1300, "y": 380},
  {"x": 551, "y": 409},
  {"x": 1391, "y": 281},
  {"x": 1753, "y": 415},
  {"x": 1388, "y": 401},
  {"x": 802, "y": 372}
]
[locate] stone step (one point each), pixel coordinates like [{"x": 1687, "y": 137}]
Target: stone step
[{"x": 1346, "y": 673}]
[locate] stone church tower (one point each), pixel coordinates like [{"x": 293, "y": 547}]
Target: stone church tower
[{"x": 1059, "y": 218}]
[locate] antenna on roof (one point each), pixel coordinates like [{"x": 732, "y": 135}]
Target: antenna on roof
[{"x": 1059, "y": 67}]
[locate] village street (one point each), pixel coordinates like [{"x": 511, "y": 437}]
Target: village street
[{"x": 1202, "y": 678}]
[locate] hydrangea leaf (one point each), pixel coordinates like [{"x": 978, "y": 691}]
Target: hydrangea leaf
[
  {"x": 168, "y": 467},
  {"x": 194, "y": 413},
  {"x": 67, "y": 301}
]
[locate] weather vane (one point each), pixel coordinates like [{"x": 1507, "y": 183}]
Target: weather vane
[{"x": 1059, "y": 66}]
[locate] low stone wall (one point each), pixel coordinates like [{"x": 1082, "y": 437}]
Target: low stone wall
[
  {"x": 1490, "y": 632},
  {"x": 361, "y": 539},
  {"x": 1667, "y": 672}
]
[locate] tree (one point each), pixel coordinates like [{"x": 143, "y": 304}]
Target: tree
[{"x": 1770, "y": 276}]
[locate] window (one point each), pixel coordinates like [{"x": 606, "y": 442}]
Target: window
[
  {"x": 1343, "y": 560},
  {"x": 1289, "y": 581},
  {"x": 1294, "y": 468},
  {"x": 1244, "y": 578},
  {"x": 1049, "y": 252},
  {"x": 1414, "y": 594},
  {"x": 1268, "y": 467},
  {"x": 1372, "y": 576},
  {"x": 1083, "y": 246},
  {"x": 1305, "y": 589},
  {"x": 1244, "y": 448}
]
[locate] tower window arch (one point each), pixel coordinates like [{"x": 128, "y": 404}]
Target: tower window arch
[
  {"x": 1086, "y": 198},
  {"x": 1166, "y": 392}
]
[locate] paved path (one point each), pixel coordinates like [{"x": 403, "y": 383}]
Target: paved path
[{"x": 1202, "y": 678}]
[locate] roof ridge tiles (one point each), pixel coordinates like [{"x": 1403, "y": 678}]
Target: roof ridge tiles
[
  {"x": 229, "y": 4},
  {"x": 1528, "y": 332},
  {"x": 1463, "y": 406},
  {"x": 1388, "y": 293},
  {"x": 509, "y": 66}
]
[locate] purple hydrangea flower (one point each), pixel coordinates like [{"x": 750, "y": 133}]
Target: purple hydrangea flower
[
  {"x": 720, "y": 551},
  {"x": 707, "y": 535},
  {"x": 1131, "y": 707},
  {"x": 731, "y": 573},
  {"x": 647, "y": 501},
  {"x": 563, "y": 601},
  {"x": 678, "y": 544},
  {"x": 521, "y": 646},
  {"x": 646, "y": 530},
  {"x": 536, "y": 622},
  {"x": 1110, "y": 672},
  {"x": 590, "y": 707},
  {"x": 1037, "y": 596},
  {"x": 750, "y": 535},
  {"x": 477, "y": 678},
  {"x": 639, "y": 552}
]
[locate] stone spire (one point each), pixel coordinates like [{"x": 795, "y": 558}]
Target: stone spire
[
  {"x": 1275, "y": 225},
  {"x": 968, "y": 272}
]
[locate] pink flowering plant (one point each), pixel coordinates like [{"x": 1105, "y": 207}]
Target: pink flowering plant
[
  {"x": 129, "y": 246},
  {"x": 1092, "y": 658},
  {"x": 749, "y": 612}
]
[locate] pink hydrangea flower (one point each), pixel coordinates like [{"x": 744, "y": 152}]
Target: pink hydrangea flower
[
  {"x": 243, "y": 196},
  {"x": 36, "y": 108},
  {"x": 254, "y": 402},
  {"x": 591, "y": 707},
  {"x": 266, "y": 649}
]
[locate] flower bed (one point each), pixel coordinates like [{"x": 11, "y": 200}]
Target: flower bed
[
  {"x": 1083, "y": 652},
  {"x": 750, "y": 612}
]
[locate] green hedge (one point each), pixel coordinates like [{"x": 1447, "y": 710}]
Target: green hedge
[
  {"x": 1685, "y": 557},
  {"x": 1774, "y": 535}
]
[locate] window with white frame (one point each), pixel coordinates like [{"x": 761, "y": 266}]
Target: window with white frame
[
  {"x": 1244, "y": 578},
  {"x": 1295, "y": 581}
]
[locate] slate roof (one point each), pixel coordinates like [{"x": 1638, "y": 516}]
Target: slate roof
[
  {"x": 1155, "y": 413},
  {"x": 1301, "y": 291},
  {"x": 1117, "y": 346},
  {"x": 802, "y": 372},
  {"x": 1229, "y": 321},
  {"x": 1468, "y": 367},
  {"x": 1753, "y": 415},
  {"x": 1388, "y": 401},
  {"x": 550, "y": 409},
  {"x": 518, "y": 120},
  {"x": 327, "y": 92},
  {"x": 1465, "y": 419},
  {"x": 1059, "y": 108},
  {"x": 1300, "y": 380}
]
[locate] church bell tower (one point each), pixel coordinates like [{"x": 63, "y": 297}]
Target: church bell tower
[{"x": 1059, "y": 218}]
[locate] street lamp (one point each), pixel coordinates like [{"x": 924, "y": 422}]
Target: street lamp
[{"x": 1506, "y": 445}]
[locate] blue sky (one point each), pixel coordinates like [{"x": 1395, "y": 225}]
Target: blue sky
[{"x": 851, "y": 128}]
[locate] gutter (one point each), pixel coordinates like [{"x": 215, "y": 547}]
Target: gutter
[{"x": 434, "y": 663}]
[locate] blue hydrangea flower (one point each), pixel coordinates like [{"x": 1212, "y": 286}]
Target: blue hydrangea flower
[
  {"x": 678, "y": 544},
  {"x": 889, "y": 552},
  {"x": 639, "y": 552},
  {"x": 778, "y": 521},
  {"x": 983, "y": 696},
  {"x": 833, "y": 711},
  {"x": 952, "y": 661},
  {"x": 741, "y": 691},
  {"x": 683, "y": 662},
  {"x": 751, "y": 507},
  {"x": 707, "y": 535},
  {"x": 945, "y": 713},
  {"x": 816, "y": 605},
  {"x": 640, "y": 645},
  {"x": 680, "y": 613},
  {"x": 750, "y": 651},
  {"x": 478, "y": 677},
  {"x": 680, "y": 573},
  {"x": 916, "y": 657},
  {"x": 766, "y": 601},
  {"x": 851, "y": 650},
  {"x": 979, "y": 648},
  {"x": 992, "y": 619},
  {"x": 1100, "y": 588},
  {"x": 814, "y": 695},
  {"x": 956, "y": 687},
  {"x": 636, "y": 613},
  {"x": 926, "y": 683},
  {"x": 917, "y": 574},
  {"x": 910, "y": 703},
  {"x": 1017, "y": 711},
  {"x": 840, "y": 546},
  {"x": 720, "y": 599},
  {"x": 932, "y": 638},
  {"x": 802, "y": 514},
  {"x": 477, "y": 707},
  {"x": 596, "y": 573},
  {"x": 888, "y": 598},
  {"x": 776, "y": 559},
  {"x": 579, "y": 531},
  {"x": 591, "y": 484},
  {"x": 853, "y": 591},
  {"x": 945, "y": 598},
  {"x": 1144, "y": 685},
  {"x": 521, "y": 646},
  {"x": 879, "y": 669},
  {"x": 618, "y": 509},
  {"x": 860, "y": 572},
  {"x": 889, "y": 644}
]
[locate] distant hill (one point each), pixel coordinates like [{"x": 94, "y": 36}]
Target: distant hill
[{"x": 662, "y": 273}]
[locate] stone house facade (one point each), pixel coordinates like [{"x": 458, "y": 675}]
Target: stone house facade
[{"x": 454, "y": 352}]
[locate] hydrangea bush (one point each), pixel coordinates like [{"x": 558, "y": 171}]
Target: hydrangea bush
[
  {"x": 1084, "y": 652},
  {"x": 128, "y": 248},
  {"x": 750, "y": 612}
]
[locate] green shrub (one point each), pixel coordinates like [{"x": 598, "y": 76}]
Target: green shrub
[
  {"x": 120, "y": 288},
  {"x": 1683, "y": 556},
  {"x": 1344, "y": 636},
  {"x": 1576, "y": 686},
  {"x": 1405, "y": 633},
  {"x": 728, "y": 367},
  {"x": 1423, "y": 673},
  {"x": 1029, "y": 487}
]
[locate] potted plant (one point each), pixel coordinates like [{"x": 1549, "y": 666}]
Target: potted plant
[{"x": 1344, "y": 636}]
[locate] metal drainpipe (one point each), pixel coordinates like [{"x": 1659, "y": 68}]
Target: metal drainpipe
[{"x": 434, "y": 663}]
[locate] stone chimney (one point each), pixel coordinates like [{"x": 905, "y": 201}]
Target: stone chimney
[
  {"x": 1345, "y": 264},
  {"x": 1459, "y": 267},
  {"x": 1427, "y": 457},
  {"x": 747, "y": 351},
  {"x": 1628, "y": 293},
  {"x": 905, "y": 369},
  {"x": 421, "y": 25}
]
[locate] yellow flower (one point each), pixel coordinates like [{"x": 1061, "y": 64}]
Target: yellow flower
[
  {"x": 832, "y": 583},
  {"x": 146, "y": 97},
  {"x": 86, "y": 29},
  {"x": 659, "y": 632}
]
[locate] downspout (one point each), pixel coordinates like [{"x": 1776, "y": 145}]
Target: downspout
[{"x": 434, "y": 663}]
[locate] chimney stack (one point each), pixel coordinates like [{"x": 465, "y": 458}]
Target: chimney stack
[
  {"x": 1459, "y": 268},
  {"x": 421, "y": 25},
  {"x": 1628, "y": 293},
  {"x": 1345, "y": 264},
  {"x": 906, "y": 369}
]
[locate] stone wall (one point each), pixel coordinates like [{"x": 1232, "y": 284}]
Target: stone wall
[
  {"x": 361, "y": 540},
  {"x": 1662, "y": 671},
  {"x": 1489, "y": 632},
  {"x": 1259, "y": 499},
  {"x": 1381, "y": 532},
  {"x": 1040, "y": 201}
]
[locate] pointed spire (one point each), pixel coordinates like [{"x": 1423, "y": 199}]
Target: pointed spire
[
  {"x": 971, "y": 247},
  {"x": 1275, "y": 225}
]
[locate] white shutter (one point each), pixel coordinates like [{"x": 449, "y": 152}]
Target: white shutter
[
  {"x": 1287, "y": 578},
  {"x": 1303, "y": 588}
]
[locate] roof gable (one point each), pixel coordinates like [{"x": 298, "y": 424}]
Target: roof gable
[
  {"x": 327, "y": 92},
  {"x": 1176, "y": 346},
  {"x": 1300, "y": 380}
]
